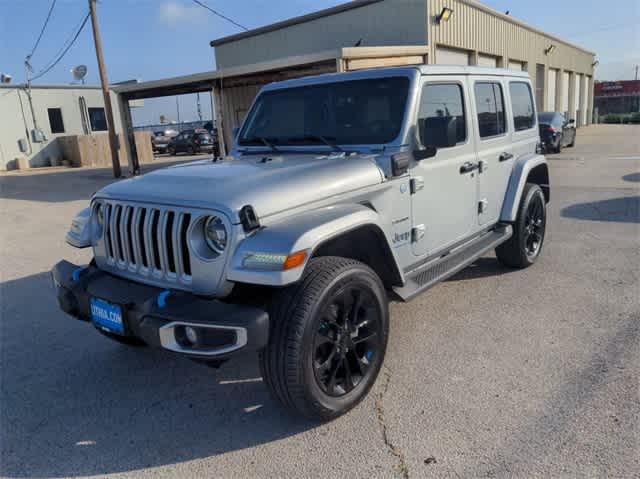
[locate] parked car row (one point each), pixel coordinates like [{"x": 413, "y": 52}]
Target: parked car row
[{"x": 192, "y": 142}]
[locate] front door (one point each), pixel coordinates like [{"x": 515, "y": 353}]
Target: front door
[{"x": 445, "y": 186}]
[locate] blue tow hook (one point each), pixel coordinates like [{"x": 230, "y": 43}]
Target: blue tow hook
[
  {"x": 161, "y": 300},
  {"x": 75, "y": 276}
]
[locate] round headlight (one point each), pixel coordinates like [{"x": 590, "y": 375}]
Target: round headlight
[{"x": 215, "y": 233}]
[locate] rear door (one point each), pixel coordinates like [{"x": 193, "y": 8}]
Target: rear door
[
  {"x": 495, "y": 152},
  {"x": 522, "y": 118},
  {"x": 444, "y": 198}
]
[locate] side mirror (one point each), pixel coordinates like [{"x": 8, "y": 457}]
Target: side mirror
[
  {"x": 235, "y": 131},
  {"x": 428, "y": 151}
]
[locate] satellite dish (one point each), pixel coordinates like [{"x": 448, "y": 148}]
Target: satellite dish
[{"x": 79, "y": 72}]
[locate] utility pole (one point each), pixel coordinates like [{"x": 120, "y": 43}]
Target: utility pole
[
  {"x": 113, "y": 139},
  {"x": 178, "y": 110},
  {"x": 27, "y": 72},
  {"x": 637, "y": 66}
]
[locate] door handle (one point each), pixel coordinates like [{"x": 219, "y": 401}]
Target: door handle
[
  {"x": 505, "y": 156},
  {"x": 468, "y": 167}
]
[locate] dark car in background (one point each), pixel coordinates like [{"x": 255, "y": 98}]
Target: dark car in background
[
  {"x": 556, "y": 131},
  {"x": 192, "y": 142}
]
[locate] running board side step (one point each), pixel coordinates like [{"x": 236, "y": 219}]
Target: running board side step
[{"x": 438, "y": 269}]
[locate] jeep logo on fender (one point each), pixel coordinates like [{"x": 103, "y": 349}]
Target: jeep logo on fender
[{"x": 400, "y": 238}]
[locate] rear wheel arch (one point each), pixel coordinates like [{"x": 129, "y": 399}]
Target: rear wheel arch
[
  {"x": 368, "y": 245},
  {"x": 539, "y": 175}
]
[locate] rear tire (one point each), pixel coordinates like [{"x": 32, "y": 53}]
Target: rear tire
[
  {"x": 328, "y": 338},
  {"x": 524, "y": 247}
]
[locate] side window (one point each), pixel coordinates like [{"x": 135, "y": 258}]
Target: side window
[
  {"x": 97, "y": 119},
  {"x": 522, "y": 105},
  {"x": 441, "y": 119},
  {"x": 490, "y": 106},
  {"x": 55, "y": 120}
]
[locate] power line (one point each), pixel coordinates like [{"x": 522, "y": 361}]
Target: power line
[
  {"x": 64, "y": 45},
  {"x": 46, "y": 21},
  {"x": 204, "y": 5},
  {"x": 64, "y": 52}
]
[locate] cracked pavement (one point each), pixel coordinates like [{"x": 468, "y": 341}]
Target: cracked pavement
[{"x": 494, "y": 373}]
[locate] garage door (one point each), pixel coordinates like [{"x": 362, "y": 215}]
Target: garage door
[
  {"x": 516, "y": 65},
  {"x": 565, "y": 93},
  {"x": 450, "y": 56},
  {"x": 487, "y": 61},
  {"x": 577, "y": 114},
  {"x": 585, "y": 99},
  {"x": 551, "y": 90}
]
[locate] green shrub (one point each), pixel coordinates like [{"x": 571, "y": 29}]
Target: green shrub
[
  {"x": 634, "y": 117},
  {"x": 611, "y": 118}
]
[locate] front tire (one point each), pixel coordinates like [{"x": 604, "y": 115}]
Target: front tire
[
  {"x": 524, "y": 247},
  {"x": 328, "y": 338}
]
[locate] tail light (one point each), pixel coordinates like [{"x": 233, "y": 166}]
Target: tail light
[
  {"x": 552, "y": 130},
  {"x": 196, "y": 141}
]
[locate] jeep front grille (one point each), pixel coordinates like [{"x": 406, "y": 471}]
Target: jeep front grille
[{"x": 148, "y": 240}]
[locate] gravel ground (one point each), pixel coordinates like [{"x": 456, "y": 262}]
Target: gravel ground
[{"x": 494, "y": 373}]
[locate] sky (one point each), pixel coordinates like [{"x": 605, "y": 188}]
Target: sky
[{"x": 151, "y": 39}]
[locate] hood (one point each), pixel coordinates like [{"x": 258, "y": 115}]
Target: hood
[{"x": 270, "y": 184}]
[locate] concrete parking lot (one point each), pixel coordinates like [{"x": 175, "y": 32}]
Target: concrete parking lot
[{"x": 494, "y": 373}]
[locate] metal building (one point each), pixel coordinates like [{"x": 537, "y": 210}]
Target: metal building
[{"x": 374, "y": 33}]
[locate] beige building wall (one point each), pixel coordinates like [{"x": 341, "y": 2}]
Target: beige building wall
[
  {"x": 482, "y": 32},
  {"x": 475, "y": 34},
  {"x": 375, "y": 22}
]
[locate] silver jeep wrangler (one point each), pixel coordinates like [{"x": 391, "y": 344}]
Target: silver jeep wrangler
[{"x": 342, "y": 191}]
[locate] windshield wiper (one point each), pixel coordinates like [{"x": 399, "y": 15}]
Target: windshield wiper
[
  {"x": 263, "y": 140},
  {"x": 323, "y": 139}
]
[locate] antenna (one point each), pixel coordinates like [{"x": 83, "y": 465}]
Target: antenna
[{"x": 79, "y": 73}]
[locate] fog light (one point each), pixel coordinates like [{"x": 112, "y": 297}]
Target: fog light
[{"x": 191, "y": 334}]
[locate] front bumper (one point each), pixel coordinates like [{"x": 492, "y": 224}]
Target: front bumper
[{"x": 158, "y": 317}]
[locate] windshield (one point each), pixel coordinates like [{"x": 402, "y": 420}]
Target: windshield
[
  {"x": 545, "y": 117},
  {"x": 350, "y": 113}
]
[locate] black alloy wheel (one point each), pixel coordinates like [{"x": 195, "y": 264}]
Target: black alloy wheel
[
  {"x": 346, "y": 340},
  {"x": 328, "y": 337},
  {"x": 525, "y": 245},
  {"x": 534, "y": 225}
]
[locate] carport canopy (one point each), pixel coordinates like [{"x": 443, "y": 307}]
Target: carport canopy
[{"x": 251, "y": 77}]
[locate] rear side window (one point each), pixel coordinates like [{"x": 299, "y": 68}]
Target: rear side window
[
  {"x": 490, "y": 106},
  {"x": 522, "y": 105},
  {"x": 441, "y": 120}
]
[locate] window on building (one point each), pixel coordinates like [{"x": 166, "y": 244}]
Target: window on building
[
  {"x": 490, "y": 106},
  {"x": 55, "y": 120},
  {"x": 441, "y": 120},
  {"x": 98, "y": 119},
  {"x": 522, "y": 105}
]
